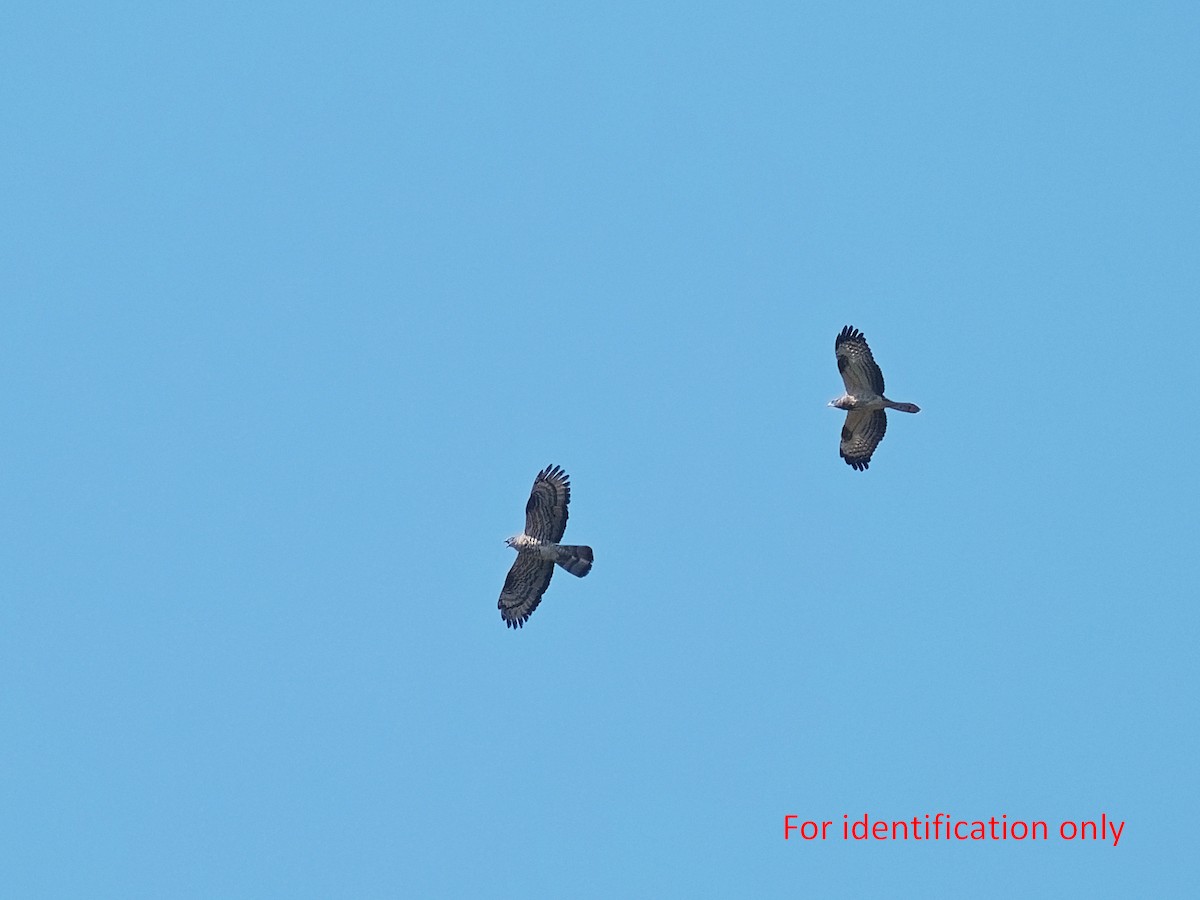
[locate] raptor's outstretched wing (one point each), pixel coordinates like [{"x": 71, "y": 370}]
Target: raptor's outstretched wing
[
  {"x": 546, "y": 511},
  {"x": 859, "y": 370},
  {"x": 861, "y": 434},
  {"x": 523, "y": 588}
]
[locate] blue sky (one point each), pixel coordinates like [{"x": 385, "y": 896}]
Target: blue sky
[{"x": 297, "y": 299}]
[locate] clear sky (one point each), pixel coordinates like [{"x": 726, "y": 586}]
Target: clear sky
[{"x": 298, "y": 298}]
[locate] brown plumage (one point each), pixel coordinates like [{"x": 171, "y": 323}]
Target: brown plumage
[
  {"x": 538, "y": 550},
  {"x": 864, "y": 402}
]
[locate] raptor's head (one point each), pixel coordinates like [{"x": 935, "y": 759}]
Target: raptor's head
[{"x": 842, "y": 402}]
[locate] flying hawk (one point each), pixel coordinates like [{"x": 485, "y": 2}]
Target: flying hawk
[
  {"x": 538, "y": 548},
  {"x": 863, "y": 401}
]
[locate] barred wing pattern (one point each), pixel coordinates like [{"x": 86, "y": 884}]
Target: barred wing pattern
[
  {"x": 523, "y": 588},
  {"x": 546, "y": 511},
  {"x": 538, "y": 548},
  {"x": 859, "y": 370},
  {"x": 861, "y": 434}
]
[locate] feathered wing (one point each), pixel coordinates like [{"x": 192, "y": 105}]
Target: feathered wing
[
  {"x": 523, "y": 588},
  {"x": 859, "y": 370},
  {"x": 546, "y": 511},
  {"x": 861, "y": 434}
]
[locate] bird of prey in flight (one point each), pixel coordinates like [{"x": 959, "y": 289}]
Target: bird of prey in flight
[
  {"x": 538, "y": 548},
  {"x": 863, "y": 401}
]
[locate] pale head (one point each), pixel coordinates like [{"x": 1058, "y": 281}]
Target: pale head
[{"x": 843, "y": 402}]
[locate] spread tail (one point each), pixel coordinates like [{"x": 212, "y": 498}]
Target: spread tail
[
  {"x": 575, "y": 559},
  {"x": 903, "y": 407}
]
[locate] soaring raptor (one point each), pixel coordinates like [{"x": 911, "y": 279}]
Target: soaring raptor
[
  {"x": 538, "y": 548},
  {"x": 863, "y": 401}
]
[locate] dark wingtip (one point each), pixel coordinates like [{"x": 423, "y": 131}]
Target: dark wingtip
[
  {"x": 849, "y": 333},
  {"x": 859, "y": 465},
  {"x": 553, "y": 472}
]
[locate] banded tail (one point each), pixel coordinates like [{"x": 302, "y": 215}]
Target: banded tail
[
  {"x": 575, "y": 559},
  {"x": 903, "y": 407}
]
